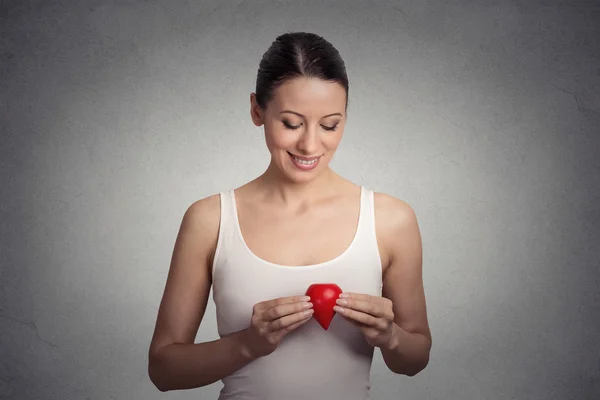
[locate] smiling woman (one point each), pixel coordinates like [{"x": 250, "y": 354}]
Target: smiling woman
[
  {"x": 304, "y": 122},
  {"x": 299, "y": 225}
]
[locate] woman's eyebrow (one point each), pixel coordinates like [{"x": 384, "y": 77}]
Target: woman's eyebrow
[{"x": 300, "y": 115}]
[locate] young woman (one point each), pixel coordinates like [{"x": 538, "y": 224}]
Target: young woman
[{"x": 263, "y": 244}]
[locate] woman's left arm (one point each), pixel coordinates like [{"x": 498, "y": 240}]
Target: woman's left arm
[
  {"x": 408, "y": 350},
  {"x": 397, "y": 321}
]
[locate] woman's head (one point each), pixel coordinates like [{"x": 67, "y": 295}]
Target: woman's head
[{"x": 301, "y": 99}]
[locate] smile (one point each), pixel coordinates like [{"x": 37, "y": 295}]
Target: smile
[{"x": 304, "y": 162}]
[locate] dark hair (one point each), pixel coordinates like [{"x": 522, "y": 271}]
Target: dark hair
[{"x": 295, "y": 54}]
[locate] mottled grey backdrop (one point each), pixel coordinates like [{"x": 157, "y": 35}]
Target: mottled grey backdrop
[{"x": 484, "y": 116}]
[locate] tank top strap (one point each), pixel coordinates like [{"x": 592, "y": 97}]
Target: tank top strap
[
  {"x": 366, "y": 222},
  {"x": 227, "y": 226},
  {"x": 366, "y": 240}
]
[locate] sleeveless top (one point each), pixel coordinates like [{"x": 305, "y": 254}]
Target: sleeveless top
[{"x": 310, "y": 362}]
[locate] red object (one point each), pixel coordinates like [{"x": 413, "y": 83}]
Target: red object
[{"x": 323, "y": 297}]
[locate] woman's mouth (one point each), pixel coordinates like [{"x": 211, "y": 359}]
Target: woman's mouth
[{"x": 304, "y": 163}]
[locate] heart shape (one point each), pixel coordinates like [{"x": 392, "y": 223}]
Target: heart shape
[{"x": 323, "y": 296}]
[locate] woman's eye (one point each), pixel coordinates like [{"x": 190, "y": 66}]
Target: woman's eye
[
  {"x": 327, "y": 128},
  {"x": 290, "y": 126}
]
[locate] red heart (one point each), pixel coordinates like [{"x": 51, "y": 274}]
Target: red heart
[{"x": 323, "y": 297}]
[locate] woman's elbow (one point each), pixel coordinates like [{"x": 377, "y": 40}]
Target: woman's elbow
[{"x": 155, "y": 374}]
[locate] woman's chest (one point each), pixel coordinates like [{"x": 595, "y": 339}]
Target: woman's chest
[{"x": 310, "y": 238}]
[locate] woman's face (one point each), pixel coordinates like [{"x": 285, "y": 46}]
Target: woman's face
[{"x": 305, "y": 118}]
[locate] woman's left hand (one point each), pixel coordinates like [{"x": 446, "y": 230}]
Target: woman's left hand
[{"x": 372, "y": 314}]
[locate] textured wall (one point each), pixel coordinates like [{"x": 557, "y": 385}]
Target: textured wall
[{"x": 484, "y": 116}]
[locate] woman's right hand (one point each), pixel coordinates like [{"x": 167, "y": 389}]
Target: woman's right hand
[{"x": 272, "y": 320}]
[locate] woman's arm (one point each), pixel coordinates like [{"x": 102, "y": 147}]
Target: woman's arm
[
  {"x": 187, "y": 366},
  {"x": 408, "y": 352},
  {"x": 175, "y": 361}
]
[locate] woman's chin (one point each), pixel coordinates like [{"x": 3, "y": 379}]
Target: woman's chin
[{"x": 300, "y": 176}]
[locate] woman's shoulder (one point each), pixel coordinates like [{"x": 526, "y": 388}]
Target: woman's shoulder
[
  {"x": 202, "y": 220},
  {"x": 204, "y": 215},
  {"x": 388, "y": 204},
  {"x": 392, "y": 215},
  {"x": 205, "y": 207}
]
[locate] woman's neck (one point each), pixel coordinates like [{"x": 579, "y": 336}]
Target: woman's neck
[{"x": 276, "y": 187}]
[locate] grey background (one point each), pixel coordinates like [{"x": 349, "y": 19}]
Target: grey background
[{"x": 484, "y": 116}]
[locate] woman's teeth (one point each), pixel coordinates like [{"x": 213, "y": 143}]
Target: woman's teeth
[{"x": 299, "y": 161}]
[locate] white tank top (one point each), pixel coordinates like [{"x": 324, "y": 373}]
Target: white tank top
[{"x": 310, "y": 362}]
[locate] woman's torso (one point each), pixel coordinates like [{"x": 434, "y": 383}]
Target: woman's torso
[{"x": 264, "y": 253}]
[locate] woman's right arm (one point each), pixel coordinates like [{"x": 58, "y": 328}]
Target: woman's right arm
[
  {"x": 187, "y": 366},
  {"x": 175, "y": 361}
]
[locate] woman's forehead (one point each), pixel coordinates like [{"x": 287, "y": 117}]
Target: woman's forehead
[{"x": 310, "y": 95}]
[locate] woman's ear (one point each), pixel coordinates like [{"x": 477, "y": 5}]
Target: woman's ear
[{"x": 256, "y": 112}]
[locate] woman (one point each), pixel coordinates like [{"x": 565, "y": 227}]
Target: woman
[{"x": 263, "y": 244}]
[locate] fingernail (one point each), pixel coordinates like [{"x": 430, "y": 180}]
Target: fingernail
[
  {"x": 343, "y": 296},
  {"x": 307, "y": 305},
  {"x": 342, "y": 302},
  {"x": 306, "y": 298}
]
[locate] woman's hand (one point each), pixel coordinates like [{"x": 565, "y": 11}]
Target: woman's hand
[
  {"x": 272, "y": 320},
  {"x": 372, "y": 314}
]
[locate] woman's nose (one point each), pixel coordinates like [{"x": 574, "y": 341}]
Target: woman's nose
[{"x": 309, "y": 141}]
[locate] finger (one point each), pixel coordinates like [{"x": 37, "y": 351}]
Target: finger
[
  {"x": 357, "y": 296},
  {"x": 284, "y": 300},
  {"x": 358, "y": 316},
  {"x": 295, "y": 325},
  {"x": 282, "y": 310},
  {"x": 367, "y": 307},
  {"x": 284, "y": 322}
]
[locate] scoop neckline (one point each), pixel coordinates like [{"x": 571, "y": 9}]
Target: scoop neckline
[{"x": 310, "y": 266}]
